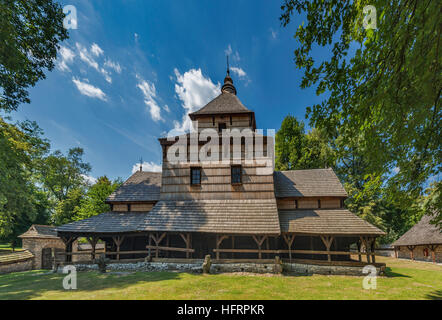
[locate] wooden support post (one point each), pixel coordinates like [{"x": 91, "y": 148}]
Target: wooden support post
[
  {"x": 167, "y": 245},
  {"x": 118, "y": 240},
  {"x": 68, "y": 247},
  {"x": 411, "y": 248},
  {"x": 233, "y": 246},
  {"x": 373, "y": 243},
  {"x": 149, "y": 254},
  {"x": 289, "y": 238},
  {"x": 327, "y": 240},
  {"x": 364, "y": 241},
  {"x": 433, "y": 248},
  {"x": 359, "y": 244},
  {"x": 259, "y": 241},
  {"x": 396, "y": 255},
  {"x": 219, "y": 239},
  {"x": 93, "y": 242},
  {"x": 186, "y": 238},
  {"x": 157, "y": 238}
]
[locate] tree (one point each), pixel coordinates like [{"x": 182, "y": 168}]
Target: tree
[
  {"x": 383, "y": 86},
  {"x": 60, "y": 174},
  {"x": 94, "y": 201},
  {"x": 21, "y": 146},
  {"x": 30, "y": 33},
  {"x": 297, "y": 150},
  {"x": 66, "y": 209},
  {"x": 432, "y": 203},
  {"x": 289, "y": 143}
]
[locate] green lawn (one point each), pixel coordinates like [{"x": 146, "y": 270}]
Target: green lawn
[
  {"x": 404, "y": 280},
  {"x": 7, "y": 247}
]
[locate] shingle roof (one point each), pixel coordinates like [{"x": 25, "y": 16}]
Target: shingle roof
[
  {"x": 141, "y": 186},
  {"x": 109, "y": 222},
  {"x": 17, "y": 256},
  {"x": 336, "y": 222},
  {"x": 308, "y": 183},
  {"x": 40, "y": 231},
  {"x": 226, "y": 102},
  {"x": 217, "y": 216},
  {"x": 421, "y": 233}
]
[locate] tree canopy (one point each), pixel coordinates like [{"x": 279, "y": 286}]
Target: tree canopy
[
  {"x": 30, "y": 32},
  {"x": 381, "y": 86}
]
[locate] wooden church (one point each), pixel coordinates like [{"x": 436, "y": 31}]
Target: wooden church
[{"x": 232, "y": 210}]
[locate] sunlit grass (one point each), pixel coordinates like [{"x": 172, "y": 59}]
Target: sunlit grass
[{"x": 404, "y": 280}]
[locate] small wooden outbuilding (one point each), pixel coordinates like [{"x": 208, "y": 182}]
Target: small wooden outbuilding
[{"x": 422, "y": 242}]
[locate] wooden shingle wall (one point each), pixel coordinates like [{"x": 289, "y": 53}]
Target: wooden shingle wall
[{"x": 257, "y": 180}]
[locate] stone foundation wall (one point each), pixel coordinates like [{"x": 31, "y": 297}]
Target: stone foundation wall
[
  {"x": 17, "y": 266},
  {"x": 309, "y": 269},
  {"x": 418, "y": 252},
  {"x": 296, "y": 268}
]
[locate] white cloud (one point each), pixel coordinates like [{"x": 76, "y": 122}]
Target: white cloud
[
  {"x": 166, "y": 108},
  {"x": 89, "y": 90},
  {"x": 228, "y": 51},
  {"x": 89, "y": 179},
  {"x": 239, "y": 72},
  {"x": 113, "y": 65},
  {"x": 96, "y": 50},
  {"x": 86, "y": 57},
  {"x": 66, "y": 57},
  {"x": 150, "y": 94},
  {"x": 194, "y": 90},
  {"x": 147, "y": 166},
  {"x": 273, "y": 33}
]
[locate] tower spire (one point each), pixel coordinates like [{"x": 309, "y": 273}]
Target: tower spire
[
  {"x": 228, "y": 82},
  {"x": 141, "y": 164},
  {"x": 228, "y": 68}
]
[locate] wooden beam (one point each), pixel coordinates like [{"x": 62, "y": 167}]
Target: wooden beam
[
  {"x": 411, "y": 248},
  {"x": 118, "y": 241},
  {"x": 219, "y": 239},
  {"x": 259, "y": 241},
  {"x": 289, "y": 238},
  {"x": 327, "y": 240},
  {"x": 433, "y": 248},
  {"x": 187, "y": 250}
]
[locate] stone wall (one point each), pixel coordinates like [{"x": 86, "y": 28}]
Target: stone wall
[
  {"x": 418, "y": 253},
  {"x": 17, "y": 266},
  {"x": 196, "y": 267},
  {"x": 36, "y": 246},
  {"x": 309, "y": 269}
]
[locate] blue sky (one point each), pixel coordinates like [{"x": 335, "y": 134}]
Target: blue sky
[{"x": 133, "y": 69}]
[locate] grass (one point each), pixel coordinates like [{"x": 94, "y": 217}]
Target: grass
[
  {"x": 404, "y": 280},
  {"x": 7, "y": 248}
]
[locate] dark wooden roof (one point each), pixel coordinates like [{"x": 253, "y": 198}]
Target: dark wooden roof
[
  {"x": 141, "y": 186},
  {"x": 421, "y": 233},
  {"x": 325, "y": 221},
  {"x": 109, "y": 222},
  {"x": 40, "y": 231},
  {"x": 308, "y": 183},
  {"x": 217, "y": 216},
  {"x": 225, "y": 103}
]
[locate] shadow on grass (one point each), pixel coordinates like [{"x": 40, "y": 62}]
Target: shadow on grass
[
  {"x": 435, "y": 295},
  {"x": 391, "y": 274},
  {"x": 28, "y": 285}
]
